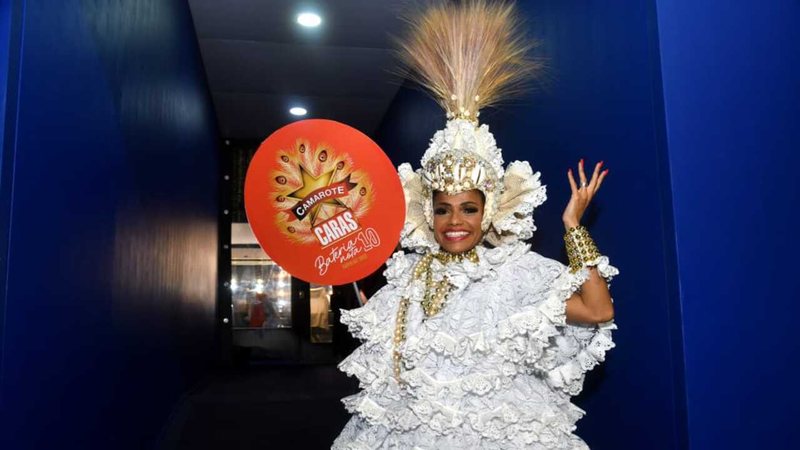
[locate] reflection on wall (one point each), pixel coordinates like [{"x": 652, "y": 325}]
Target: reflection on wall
[
  {"x": 321, "y": 315},
  {"x": 261, "y": 295},
  {"x": 274, "y": 315}
]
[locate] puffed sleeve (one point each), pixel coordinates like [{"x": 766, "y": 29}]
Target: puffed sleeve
[
  {"x": 559, "y": 352},
  {"x": 576, "y": 348},
  {"x": 369, "y": 322}
]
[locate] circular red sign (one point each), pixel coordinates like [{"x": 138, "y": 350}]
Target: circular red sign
[{"x": 324, "y": 201}]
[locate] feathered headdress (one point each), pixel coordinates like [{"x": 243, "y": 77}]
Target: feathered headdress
[{"x": 469, "y": 55}]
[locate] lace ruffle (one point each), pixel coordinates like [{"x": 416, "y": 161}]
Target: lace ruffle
[
  {"x": 519, "y": 421},
  {"x": 604, "y": 268},
  {"x": 359, "y": 435},
  {"x": 580, "y": 349},
  {"x": 519, "y": 339},
  {"x": 365, "y": 323},
  {"x": 417, "y": 234},
  {"x": 522, "y": 193}
]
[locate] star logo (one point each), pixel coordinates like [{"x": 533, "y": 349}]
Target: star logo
[{"x": 311, "y": 184}]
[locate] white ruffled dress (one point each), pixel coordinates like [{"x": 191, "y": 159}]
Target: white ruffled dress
[{"x": 494, "y": 369}]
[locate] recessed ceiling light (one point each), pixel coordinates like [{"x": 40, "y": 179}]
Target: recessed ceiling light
[
  {"x": 298, "y": 111},
  {"x": 308, "y": 19}
]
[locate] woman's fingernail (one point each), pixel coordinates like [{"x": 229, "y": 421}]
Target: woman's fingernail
[
  {"x": 600, "y": 163},
  {"x": 606, "y": 172},
  {"x": 581, "y": 161}
]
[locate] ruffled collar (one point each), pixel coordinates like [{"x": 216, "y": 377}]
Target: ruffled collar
[{"x": 461, "y": 274}]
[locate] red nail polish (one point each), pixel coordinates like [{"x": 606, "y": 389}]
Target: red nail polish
[
  {"x": 601, "y": 163},
  {"x": 581, "y": 162},
  {"x": 606, "y": 172}
]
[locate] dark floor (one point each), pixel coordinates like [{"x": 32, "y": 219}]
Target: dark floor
[{"x": 263, "y": 407}]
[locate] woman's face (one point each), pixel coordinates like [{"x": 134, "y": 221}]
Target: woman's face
[{"x": 457, "y": 220}]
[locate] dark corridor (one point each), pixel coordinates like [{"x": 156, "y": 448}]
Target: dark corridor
[{"x": 262, "y": 406}]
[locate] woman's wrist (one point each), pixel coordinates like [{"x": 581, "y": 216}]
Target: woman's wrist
[
  {"x": 581, "y": 249},
  {"x": 570, "y": 223}
]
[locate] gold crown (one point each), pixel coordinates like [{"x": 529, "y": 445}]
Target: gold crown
[{"x": 452, "y": 174}]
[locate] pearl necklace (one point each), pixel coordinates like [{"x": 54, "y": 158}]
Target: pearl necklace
[{"x": 436, "y": 293}]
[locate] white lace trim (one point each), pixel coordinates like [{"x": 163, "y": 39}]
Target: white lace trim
[
  {"x": 522, "y": 193},
  {"x": 506, "y": 421},
  {"x": 417, "y": 234},
  {"x": 604, "y": 268},
  {"x": 569, "y": 375}
]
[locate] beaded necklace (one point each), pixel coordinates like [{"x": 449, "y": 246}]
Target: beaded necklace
[{"x": 436, "y": 293}]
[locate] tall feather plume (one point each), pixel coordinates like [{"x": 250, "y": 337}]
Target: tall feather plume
[{"x": 470, "y": 54}]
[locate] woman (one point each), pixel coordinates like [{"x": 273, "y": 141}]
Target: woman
[{"x": 476, "y": 341}]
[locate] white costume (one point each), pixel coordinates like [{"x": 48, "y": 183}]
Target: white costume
[
  {"x": 494, "y": 370},
  {"x": 493, "y": 366}
]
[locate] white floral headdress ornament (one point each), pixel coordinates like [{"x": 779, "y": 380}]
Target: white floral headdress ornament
[{"x": 469, "y": 55}]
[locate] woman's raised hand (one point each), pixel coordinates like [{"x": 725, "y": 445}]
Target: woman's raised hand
[{"x": 581, "y": 194}]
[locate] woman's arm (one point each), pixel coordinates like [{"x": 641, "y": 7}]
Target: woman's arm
[{"x": 593, "y": 303}]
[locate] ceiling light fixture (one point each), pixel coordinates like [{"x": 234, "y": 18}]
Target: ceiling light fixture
[
  {"x": 308, "y": 19},
  {"x": 298, "y": 111}
]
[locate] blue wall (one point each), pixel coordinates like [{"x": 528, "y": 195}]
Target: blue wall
[
  {"x": 732, "y": 99},
  {"x": 111, "y": 223},
  {"x": 5, "y": 34},
  {"x": 603, "y": 101}
]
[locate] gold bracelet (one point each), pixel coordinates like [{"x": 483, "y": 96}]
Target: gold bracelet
[{"x": 580, "y": 248}]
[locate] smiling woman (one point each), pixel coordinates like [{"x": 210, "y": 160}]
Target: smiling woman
[{"x": 457, "y": 220}]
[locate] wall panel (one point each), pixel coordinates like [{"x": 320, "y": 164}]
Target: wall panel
[
  {"x": 112, "y": 255},
  {"x": 732, "y": 102}
]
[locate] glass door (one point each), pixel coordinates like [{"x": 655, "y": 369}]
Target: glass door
[{"x": 274, "y": 315}]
